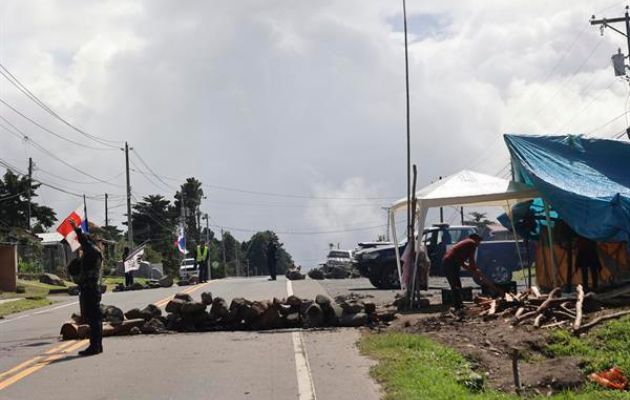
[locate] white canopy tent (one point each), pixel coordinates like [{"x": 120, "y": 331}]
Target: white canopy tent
[{"x": 463, "y": 188}]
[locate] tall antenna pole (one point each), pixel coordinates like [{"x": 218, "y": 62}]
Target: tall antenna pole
[
  {"x": 409, "y": 221},
  {"x": 129, "y": 226},
  {"x": 106, "y": 211}
]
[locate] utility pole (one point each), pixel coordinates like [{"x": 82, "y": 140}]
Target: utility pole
[
  {"x": 461, "y": 214},
  {"x": 605, "y": 23},
  {"x": 106, "y": 216},
  {"x": 207, "y": 228},
  {"x": 441, "y": 211},
  {"x": 223, "y": 247},
  {"x": 129, "y": 226},
  {"x": 387, "y": 222},
  {"x": 618, "y": 60},
  {"x": 30, "y": 192}
]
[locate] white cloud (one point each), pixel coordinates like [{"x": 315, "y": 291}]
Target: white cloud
[{"x": 305, "y": 98}]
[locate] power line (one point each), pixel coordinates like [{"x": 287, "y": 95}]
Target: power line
[
  {"x": 15, "y": 169},
  {"x": 365, "y": 228},
  {"x": 151, "y": 171},
  {"x": 50, "y": 131},
  {"x": 47, "y": 152},
  {"x": 22, "y": 88}
]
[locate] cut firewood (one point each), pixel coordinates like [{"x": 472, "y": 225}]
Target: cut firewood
[
  {"x": 540, "y": 308},
  {"x": 578, "y": 308},
  {"x": 535, "y": 291},
  {"x": 565, "y": 307},
  {"x": 520, "y": 311},
  {"x": 555, "y": 324},
  {"x": 586, "y": 327},
  {"x": 537, "y": 320},
  {"x": 493, "y": 307}
]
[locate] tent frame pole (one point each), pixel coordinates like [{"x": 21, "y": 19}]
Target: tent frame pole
[
  {"x": 396, "y": 251},
  {"x": 552, "y": 253},
  {"x": 518, "y": 250}
]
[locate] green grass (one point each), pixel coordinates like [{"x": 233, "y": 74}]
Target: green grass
[
  {"x": 17, "y": 306},
  {"x": 604, "y": 347},
  {"x": 416, "y": 367},
  {"x": 32, "y": 289}
]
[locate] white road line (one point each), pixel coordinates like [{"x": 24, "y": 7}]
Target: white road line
[
  {"x": 14, "y": 319},
  {"x": 55, "y": 308},
  {"x": 306, "y": 388}
]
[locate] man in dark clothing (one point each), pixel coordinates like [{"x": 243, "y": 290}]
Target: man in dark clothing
[
  {"x": 588, "y": 259},
  {"x": 271, "y": 260},
  {"x": 128, "y": 274},
  {"x": 90, "y": 291},
  {"x": 462, "y": 254}
]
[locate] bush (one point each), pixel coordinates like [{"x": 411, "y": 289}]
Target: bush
[{"x": 30, "y": 267}]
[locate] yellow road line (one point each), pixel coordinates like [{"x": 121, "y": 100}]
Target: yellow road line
[
  {"x": 60, "y": 347},
  {"x": 19, "y": 376},
  {"x": 64, "y": 348},
  {"x": 20, "y": 366},
  {"x": 34, "y": 359}
]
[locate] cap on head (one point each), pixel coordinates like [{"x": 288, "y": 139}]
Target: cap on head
[{"x": 475, "y": 237}]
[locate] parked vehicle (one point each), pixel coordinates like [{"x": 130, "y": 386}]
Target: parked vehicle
[
  {"x": 378, "y": 264},
  {"x": 188, "y": 268},
  {"x": 339, "y": 257}
]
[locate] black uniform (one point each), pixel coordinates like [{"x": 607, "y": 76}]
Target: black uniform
[
  {"x": 128, "y": 275},
  {"x": 90, "y": 292},
  {"x": 587, "y": 260},
  {"x": 271, "y": 260}
]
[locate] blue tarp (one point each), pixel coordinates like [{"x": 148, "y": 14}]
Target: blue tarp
[{"x": 586, "y": 180}]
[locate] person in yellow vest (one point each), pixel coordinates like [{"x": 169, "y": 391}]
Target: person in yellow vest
[{"x": 202, "y": 261}]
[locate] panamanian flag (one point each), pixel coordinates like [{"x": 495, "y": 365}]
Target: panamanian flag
[
  {"x": 66, "y": 230},
  {"x": 181, "y": 241}
]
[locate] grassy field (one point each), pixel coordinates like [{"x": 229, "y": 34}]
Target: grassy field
[
  {"x": 415, "y": 367},
  {"x": 32, "y": 289},
  {"x": 602, "y": 348},
  {"x": 20, "y": 305}
]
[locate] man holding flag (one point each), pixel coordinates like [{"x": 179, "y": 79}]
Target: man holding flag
[{"x": 90, "y": 260}]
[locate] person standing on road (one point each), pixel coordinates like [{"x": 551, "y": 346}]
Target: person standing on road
[
  {"x": 128, "y": 274},
  {"x": 202, "y": 261},
  {"x": 462, "y": 254},
  {"x": 271, "y": 260},
  {"x": 91, "y": 259}
]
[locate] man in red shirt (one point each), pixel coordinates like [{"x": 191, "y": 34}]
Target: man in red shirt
[{"x": 462, "y": 254}]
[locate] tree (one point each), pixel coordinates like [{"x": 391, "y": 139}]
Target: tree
[
  {"x": 478, "y": 220},
  {"x": 257, "y": 254},
  {"x": 15, "y": 192},
  {"x": 151, "y": 219},
  {"x": 192, "y": 194},
  {"x": 153, "y": 222}
]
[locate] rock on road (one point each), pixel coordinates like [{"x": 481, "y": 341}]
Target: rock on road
[{"x": 323, "y": 364}]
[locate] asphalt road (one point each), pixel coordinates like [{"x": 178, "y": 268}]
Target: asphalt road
[{"x": 323, "y": 364}]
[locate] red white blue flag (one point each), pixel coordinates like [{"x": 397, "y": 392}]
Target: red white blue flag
[
  {"x": 66, "y": 230},
  {"x": 181, "y": 241}
]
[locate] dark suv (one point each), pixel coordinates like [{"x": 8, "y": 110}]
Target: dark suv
[{"x": 378, "y": 264}]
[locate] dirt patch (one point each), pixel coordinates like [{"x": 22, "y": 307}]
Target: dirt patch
[{"x": 488, "y": 345}]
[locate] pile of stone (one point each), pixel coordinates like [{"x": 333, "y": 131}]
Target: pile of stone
[
  {"x": 191, "y": 280},
  {"x": 115, "y": 322},
  {"x": 74, "y": 290},
  {"x": 214, "y": 314},
  {"x": 164, "y": 282},
  {"x": 51, "y": 279},
  {"x": 333, "y": 272},
  {"x": 295, "y": 274}
]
